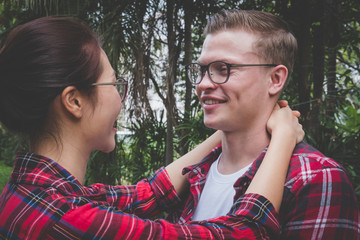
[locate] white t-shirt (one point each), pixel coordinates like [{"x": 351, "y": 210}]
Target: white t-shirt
[{"x": 217, "y": 196}]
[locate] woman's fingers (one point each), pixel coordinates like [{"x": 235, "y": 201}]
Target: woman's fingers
[{"x": 284, "y": 103}]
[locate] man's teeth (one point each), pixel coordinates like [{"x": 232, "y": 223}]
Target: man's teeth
[{"x": 211, "y": 101}]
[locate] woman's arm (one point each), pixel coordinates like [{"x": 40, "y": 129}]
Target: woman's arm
[
  {"x": 174, "y": 169},
  {"x": 161, "y": 189},
  {"x": 285, "y": 132}
]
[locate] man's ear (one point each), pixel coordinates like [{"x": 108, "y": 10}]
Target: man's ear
[
  {"x": 278, "y": 79},
  {"x": 72, "y": 101}
]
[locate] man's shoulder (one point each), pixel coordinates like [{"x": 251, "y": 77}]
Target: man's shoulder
[
  {"x": 204, "y": 166},
  {"x": 305, "y": 155},
  {"x": 307, "y": 162}
]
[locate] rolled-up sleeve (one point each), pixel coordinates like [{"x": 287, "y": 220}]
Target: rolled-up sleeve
[{"x": 252, "y": 218}]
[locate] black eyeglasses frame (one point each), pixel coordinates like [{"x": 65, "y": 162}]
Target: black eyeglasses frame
[{"x": 205, "y": 68}]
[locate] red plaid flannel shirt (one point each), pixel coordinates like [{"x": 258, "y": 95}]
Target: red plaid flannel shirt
[
  {"x": 318, "y": 203},
  {"x": 44, "y": 201}
]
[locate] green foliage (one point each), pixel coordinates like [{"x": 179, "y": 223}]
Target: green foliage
[
  {"x": 5, "y": 172},
  {"x": 9, "y": 145},
  {"x": 194, "y": 128},
  {"x": 146, "y": 149},
  {"x": 348, "y": 119},
  {"x": 348, "y": 131}
]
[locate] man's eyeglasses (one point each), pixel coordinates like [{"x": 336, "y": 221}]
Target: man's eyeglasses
[
  {"x": 218, "y": 71},
  {"x": 121, "y": 85}
]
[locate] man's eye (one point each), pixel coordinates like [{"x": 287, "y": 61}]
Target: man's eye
[
  {"x": 221, "y": 69},
  {"x": 218, "y": 67}
]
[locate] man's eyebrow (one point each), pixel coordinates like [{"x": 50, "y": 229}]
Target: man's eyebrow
[
  {"x": 216, "y": 60},
  {"x": 202, "y": 62}
]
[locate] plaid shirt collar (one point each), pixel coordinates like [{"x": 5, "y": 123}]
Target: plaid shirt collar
[
  {"x": 33, "y": 169},
  {"x": 199, "y": 171}
]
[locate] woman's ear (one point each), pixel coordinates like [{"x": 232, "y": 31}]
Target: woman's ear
[
  {"x": 72, "y": 101},
  {"x": 278, "y": 79}
]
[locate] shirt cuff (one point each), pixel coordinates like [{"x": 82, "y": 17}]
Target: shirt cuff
[
  {"x": 258, "y": 209},
  {"x": 164, "y": 191}
]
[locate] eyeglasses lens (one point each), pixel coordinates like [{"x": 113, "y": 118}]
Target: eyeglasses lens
[
  {"x": 194, "y": 73},
  {"x": 218, "y": 72}
]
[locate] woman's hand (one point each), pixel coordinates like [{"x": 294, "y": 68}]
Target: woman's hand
[{"x": 285, "y": 122}]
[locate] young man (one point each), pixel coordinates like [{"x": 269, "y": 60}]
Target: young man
[{"x": 245, "y": 61}]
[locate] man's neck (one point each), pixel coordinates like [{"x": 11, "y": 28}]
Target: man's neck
[{"x": 240, "y": 149}]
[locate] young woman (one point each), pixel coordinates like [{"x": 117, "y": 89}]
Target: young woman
[{"x": 59, "y": 90}]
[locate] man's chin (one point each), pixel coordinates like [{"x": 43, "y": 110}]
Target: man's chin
[{"x": 211, "y": 125}]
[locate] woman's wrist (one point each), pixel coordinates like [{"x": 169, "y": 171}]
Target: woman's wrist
[{"x": 284, "y": 135}]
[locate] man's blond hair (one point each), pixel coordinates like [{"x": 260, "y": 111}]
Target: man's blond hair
[{"x": 275, "y": 44}]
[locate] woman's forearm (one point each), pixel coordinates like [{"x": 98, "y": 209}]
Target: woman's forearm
[
  {"x": 194, "y": 156},
  {"x": 270, "y": 177}
]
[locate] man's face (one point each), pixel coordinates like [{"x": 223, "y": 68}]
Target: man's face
[{"x": 242, "y": 102}]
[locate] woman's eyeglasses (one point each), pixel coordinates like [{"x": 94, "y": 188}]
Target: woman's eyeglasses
[{"x": 121, "y": 85}]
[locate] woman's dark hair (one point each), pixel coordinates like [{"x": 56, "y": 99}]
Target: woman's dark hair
[{"x": 38, "y": 60}]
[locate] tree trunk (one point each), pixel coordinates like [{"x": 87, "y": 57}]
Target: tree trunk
[
  {"x": 170, "y": 80},
  {"x": 318, "y": 75},
  {"x": 141, "y": 70},
  {"x": 303, "y": 23},
  {"x": 188, "y": 5},
  {"x": 333, "y": 36}
]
